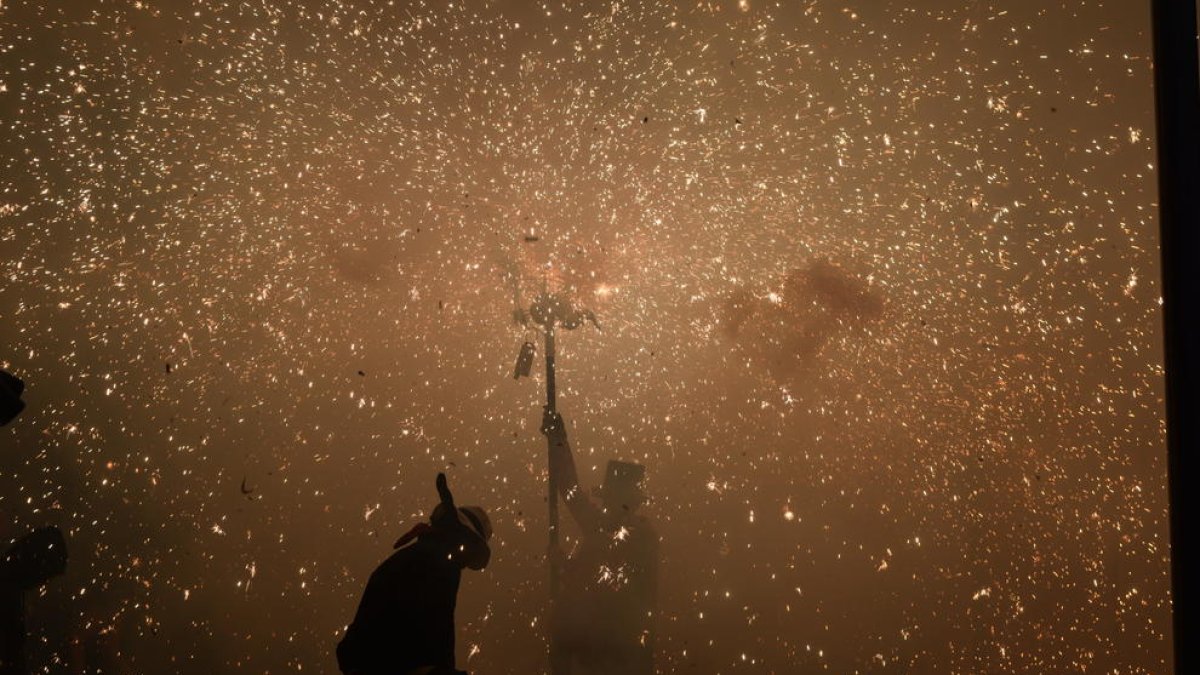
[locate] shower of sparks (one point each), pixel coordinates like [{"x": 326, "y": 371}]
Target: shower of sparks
[{"x": 883, "y": 273}]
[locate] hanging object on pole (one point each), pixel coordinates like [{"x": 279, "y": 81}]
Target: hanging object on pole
[{"x": 524, "y": 361}]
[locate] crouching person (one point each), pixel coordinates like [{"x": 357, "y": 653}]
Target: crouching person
[{"x": 405, "y": 620}]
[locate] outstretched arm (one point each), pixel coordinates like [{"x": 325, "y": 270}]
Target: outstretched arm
[
  {"x": 562, "y": 467},
  {"x": 445, "y": 516}
]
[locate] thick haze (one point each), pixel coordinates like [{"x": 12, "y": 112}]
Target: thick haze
[{"x": 877, "y": 280}]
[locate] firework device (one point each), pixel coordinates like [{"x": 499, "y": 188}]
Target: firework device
[
  {"x": 524, "y": 361},
  {"x": 550, "y": 311}
]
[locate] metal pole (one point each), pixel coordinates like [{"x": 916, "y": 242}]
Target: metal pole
[
  {"x": 552, "y": 482},
  {"x": 551, "y": 389},
  {"x": 1177, "y": 98}
]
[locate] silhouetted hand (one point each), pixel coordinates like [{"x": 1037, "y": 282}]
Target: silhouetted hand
[
  {"x": 444, "y": 491},
  {"x": 445, "y": 515}
]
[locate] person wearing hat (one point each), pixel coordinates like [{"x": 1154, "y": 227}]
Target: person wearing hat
[
  {"x": 405, "y": 621},
  {"x": 606, "y": 605}
]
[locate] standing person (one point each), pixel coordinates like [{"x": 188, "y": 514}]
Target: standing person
[
  {"x": 405, "y": 621},
  {"x": 603, "y": 621}
]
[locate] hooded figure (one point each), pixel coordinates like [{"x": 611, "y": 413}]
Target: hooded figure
[{"x": 405, "y": 620}]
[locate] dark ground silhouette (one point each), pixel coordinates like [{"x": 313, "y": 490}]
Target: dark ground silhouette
[
  {"x": 11, "y": 404},
  {"x": 30, "y": 562}
]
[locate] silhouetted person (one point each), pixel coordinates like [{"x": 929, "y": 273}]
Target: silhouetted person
[
  {"x": 405, "y": 620},
  {"x": 11, "y": 404},
  {"x": 607, "y": 602},
  {"x": 30, "y": 562}
]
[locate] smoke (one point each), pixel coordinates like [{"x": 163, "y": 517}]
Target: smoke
[
  {"x": 366, "y": 263},
  {"x": 786, "y": 330}
]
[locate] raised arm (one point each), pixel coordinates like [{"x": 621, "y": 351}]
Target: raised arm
[{"x": 562, "y": 466}]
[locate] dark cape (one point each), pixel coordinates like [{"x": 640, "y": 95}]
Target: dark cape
[{"x": 406, "y": 617}]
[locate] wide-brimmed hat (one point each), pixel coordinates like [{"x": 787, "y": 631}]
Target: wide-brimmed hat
[{"x": 476, "y": 519}]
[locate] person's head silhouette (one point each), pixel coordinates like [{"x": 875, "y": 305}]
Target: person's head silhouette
[
  {"x": 469, "y": 529},
  {"x": 621, "y": 493},
  {"x": 464, "y": 530}
]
